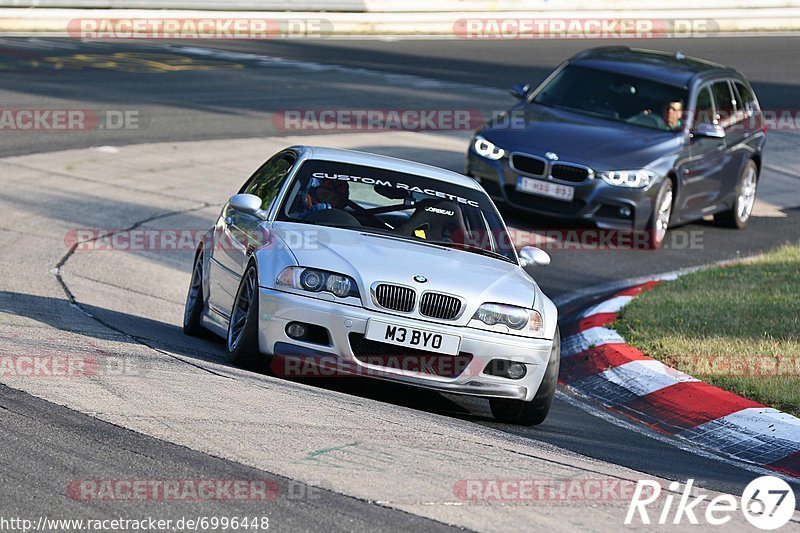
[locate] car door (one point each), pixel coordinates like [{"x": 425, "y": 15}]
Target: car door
[
  {"x": 702, "y": 174},
  {"x": 737, "y": 131},
  {"x": 744, "y": 135},
  {"x": 237, "y": 234}
]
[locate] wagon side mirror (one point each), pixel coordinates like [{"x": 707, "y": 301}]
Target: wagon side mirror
[
  {"x": 533, "y": 256},
  {"x": 520, "y": 90},
  {"x": 707, "y": 130}
]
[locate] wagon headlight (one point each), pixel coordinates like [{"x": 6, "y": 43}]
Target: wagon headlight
[
  {"x": 516, "y": 319},
  {"x": 634, "y": 179},
  {"x": 487, "y": 149},
  {"x": 313, "y": 280}
]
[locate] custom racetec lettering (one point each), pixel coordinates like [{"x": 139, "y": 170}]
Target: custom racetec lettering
[{"x": 396, "y": 185}]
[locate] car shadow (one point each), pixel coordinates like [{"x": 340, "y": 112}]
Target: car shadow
[{"x": 162, "y": 336}]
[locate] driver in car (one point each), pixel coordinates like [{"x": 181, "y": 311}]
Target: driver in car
[
  {"x": 326, "y": 194},
  {"x": 671, "y": 115}
]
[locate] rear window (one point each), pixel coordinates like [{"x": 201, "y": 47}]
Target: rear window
[{"x": 745, "y": 99}]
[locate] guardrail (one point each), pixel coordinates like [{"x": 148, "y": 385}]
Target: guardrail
[
  {"x": 639, "y": 23},
  {"x": 399, "y": 6}
]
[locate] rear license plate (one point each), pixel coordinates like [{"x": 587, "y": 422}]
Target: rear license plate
[
  {"x": 545, "y": 188},
  {"x": 412, "y": 337}
]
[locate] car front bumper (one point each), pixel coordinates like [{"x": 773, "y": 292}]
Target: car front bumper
[
  {"x": 277, "y": 309},
  {"x": 595, "y": 201}
]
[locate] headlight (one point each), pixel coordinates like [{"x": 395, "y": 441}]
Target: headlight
[
  {"x": 629, "y": 178},
  {"x": 313, "y": 280},
  {"x": 517, "y": 319},
  {"x": 487, "y": 149}
]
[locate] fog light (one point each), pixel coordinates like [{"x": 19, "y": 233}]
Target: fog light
[
  {"x": 296, "y": 330},
  {"x": 625, "y": 211},
  {"x": 515, "y": 371}
]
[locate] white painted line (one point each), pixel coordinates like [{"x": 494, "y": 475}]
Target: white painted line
[
  {"x": 408, "y": 80},
  {"x": 767, "y": 421},
  {"x": 678, "y": 443},
  {"x": 589, "y": 338},
  {"x": 612, "y": 305},
  {"x": 644, "y": 377}
]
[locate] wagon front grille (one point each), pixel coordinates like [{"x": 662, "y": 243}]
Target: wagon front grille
[
  {"x": 528, "y": 165},
  {"x": 441, "y": 306},
  {"x": 569, "y": 173},
  {"x": 395, "y": 297}
]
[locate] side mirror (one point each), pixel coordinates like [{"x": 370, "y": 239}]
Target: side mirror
[
  {"x": 520, "y": 90},
  {"x": 533, "y": 256},
  {"x": 706, "y": 130},
  {"x": 247, "y": 203}
]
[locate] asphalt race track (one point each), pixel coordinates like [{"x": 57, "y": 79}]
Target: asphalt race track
[{"x": 345, "y": 454}]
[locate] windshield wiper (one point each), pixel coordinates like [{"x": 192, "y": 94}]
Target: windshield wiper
[
  {"x": 447, "y": 244},
  {"x": 468, "y": 248}
]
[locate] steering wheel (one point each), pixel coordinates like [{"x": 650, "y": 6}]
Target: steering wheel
[
  {"x": 360, "y": 210},
  {"x": 649, "y": 120}
]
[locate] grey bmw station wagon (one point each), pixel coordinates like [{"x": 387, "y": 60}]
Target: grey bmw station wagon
[{"x": 627, "y": 139}]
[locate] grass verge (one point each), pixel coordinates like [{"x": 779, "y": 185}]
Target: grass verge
[{"x": 736, "y": 327}]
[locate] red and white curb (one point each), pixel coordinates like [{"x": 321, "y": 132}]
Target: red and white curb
[{"x": 596, "y": 362}]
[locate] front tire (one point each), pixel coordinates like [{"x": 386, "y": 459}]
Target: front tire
[
  {"x": 242, "y": 337},
  {"x": 738, "y": 216},
  {"x": 534, "y": 412},
  {"x": 662, "y": 213}
]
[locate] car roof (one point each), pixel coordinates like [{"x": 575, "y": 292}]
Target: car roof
[
  {"x": 389, "y": 163},
  {"x": 675, "y": 69}
]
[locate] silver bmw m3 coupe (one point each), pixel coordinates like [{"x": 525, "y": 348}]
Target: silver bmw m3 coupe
[{"x": 334, "y": 262}]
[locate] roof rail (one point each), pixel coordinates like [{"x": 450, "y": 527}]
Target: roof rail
[{"x": 592, "y": 51}]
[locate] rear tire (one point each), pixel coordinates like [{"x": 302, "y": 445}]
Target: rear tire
[
  {"x": 242, "y": 337},
  {"x": 534, "y": 412},
  {"x": 738, "y": 215},
  {"x": 662, "y": 213}
]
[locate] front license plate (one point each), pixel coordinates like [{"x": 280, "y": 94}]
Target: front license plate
[
  {"x": 545, "y": 188},
  {"x": 412, "y": 337}
]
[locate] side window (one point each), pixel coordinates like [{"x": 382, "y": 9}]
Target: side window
[
  {"x": 723, "y": 100},
  {"x": 704, "y": 109},
  {"x": 267, "y": 180},
  {"x": 746, "y": 100}
]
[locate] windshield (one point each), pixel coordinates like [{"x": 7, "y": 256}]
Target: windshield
[
  {"x": 615, "y": 96},
  {"x": 396, "y": 204}
]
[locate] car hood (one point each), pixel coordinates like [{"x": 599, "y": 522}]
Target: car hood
[
  {"x": 370, "y": 258},
  {"x": 598, "y": 143}
]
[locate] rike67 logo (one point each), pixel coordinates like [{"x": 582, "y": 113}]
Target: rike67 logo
[{"x": 767, "y": 503}]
